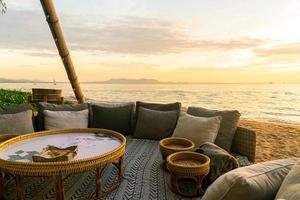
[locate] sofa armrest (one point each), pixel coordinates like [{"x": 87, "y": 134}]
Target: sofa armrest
[
  {"x": 4, "y": 137},
  {"x": 244, "y": 143}
]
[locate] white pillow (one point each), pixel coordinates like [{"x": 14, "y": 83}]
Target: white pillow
[
  {"x": 66, "y": 119},
  {"x": 197, "y": 129},
  {"x": 290, "y": 188},
  {"x": 258, "y": 181}
]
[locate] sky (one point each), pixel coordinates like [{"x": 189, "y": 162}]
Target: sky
[{"x": 215, "y": 41}]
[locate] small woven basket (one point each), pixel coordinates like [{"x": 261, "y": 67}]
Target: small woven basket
[
  {"x": 175, "y": 144},
  {"x": 188, "y": 164}
]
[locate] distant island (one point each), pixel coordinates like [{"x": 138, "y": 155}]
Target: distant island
[
  {"x": 119, "y": 81},
  {"x": 5, "y": 80},
  {"x": 131, "y": 81},
  {"x": 110, "y": 81}
]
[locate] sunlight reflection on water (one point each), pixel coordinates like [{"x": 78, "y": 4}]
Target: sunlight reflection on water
[{"x": 272, "y": 102}]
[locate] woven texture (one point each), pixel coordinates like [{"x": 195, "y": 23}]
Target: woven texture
[
  {"x": 143, "y": 178},
  {"x": 244, "y": 143}
]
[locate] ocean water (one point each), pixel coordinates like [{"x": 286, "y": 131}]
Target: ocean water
[{"x": 271, "y": 102}]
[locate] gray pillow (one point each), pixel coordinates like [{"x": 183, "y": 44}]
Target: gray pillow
[
  {"x": 290, "y": 188},
  {"x": 18, "y": 123},
  {"x": 221, "y": 161},
  {"x": 258, "y": 181},
  {"x": 230, "y": 119},
  {"x": 155, "y": 125},
  {"x": 117, "y": 117},
  {"x": 157, "y": 106},
  {"x": 53, "y": 107}
]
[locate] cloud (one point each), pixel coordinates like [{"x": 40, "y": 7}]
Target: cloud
[
  {"x": 279, "y": 50},
  {"x": 138, "y": 66},
  {"x": 27, "y": 29}
]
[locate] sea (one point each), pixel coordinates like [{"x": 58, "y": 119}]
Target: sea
[{"x": 267, "y": 102}]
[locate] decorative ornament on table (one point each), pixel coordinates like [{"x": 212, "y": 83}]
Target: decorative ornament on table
[{"x": 55, "y": 154}]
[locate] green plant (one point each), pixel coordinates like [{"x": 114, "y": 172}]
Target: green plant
[{"x": 8, "y": 97}]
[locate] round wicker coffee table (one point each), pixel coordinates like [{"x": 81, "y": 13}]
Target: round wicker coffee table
[
  {"x": 96, "y": 149},
  {"x": 171, "y": 145},
  {"x": 188, "y": 165}
]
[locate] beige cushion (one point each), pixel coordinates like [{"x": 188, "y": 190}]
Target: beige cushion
[
  {"x": 259, "y": 181},
  {"x": 230, "y": 119},
  {"x": 66, "y": 119},
  {"x": 18, "y": 123},
  {"x": 290, "y": 188},
  {"x": 197, "y": 129}
]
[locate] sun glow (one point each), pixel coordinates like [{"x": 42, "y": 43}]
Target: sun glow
[{"x": 243, "y": 41}]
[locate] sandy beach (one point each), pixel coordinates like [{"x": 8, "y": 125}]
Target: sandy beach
[{"x": 274, "y": 140}]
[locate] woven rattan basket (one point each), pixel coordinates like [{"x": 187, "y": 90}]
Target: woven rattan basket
[
  {"x": 175, "y": 144},
  {"x": 188, "y": 163}
]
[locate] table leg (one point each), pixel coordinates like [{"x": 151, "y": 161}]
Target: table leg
[
  {"x": 60, "y": 194},
  {"x": 121, "y": 168},
  {"x": 19, "y": 187},
  {"x": 98, "y": 182},
  {"x": 1, "y": 185}
]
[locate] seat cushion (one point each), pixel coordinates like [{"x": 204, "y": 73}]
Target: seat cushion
[
  {"x": 117, "y": 117},
  {"x": 40, "y": 125},
  {"x": 230, "y": 119},
  {"x": 156, "y": 125},
  {"x": 258, "y": 181},
  {"x": 197, "y": 129},
  {"x": 66, "y": 119},
  {"x": 290, "y": 188},
  {"x": 18, "y": 123}
]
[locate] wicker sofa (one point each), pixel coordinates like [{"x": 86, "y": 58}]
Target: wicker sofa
[{"x": 143, "y": 178}]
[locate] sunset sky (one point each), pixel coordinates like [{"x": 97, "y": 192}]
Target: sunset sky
[{"x": 226, "y": 41}]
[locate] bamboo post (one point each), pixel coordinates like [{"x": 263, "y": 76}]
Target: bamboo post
[{"x": 62, "y": 48}]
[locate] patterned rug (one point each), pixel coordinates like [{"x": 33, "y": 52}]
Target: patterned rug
[{"x": 143, "y": 179}]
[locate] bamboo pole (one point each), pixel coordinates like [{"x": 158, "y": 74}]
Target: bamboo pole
[{"x": 62, "y": 48}]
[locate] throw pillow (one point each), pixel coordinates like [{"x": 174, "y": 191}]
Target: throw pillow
[
  {"x": 230, "y": 119},
  {"x": 66, "y": 119},
  {"x": 18, "y": 123},
  {"x": 117, "y": 117},
  {"x": 258, "y": 181},
  {"x": 158, "y": 107},
  {"x": 155, "y": 125},
  {"x": 197, "y": 129},
  {"x": 53, "y": 107},
  {"x": 290, "y": 188},
  {"x": 221, "y": 161}
]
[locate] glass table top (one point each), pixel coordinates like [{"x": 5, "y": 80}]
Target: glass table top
[{"x": 89, "y": 145}]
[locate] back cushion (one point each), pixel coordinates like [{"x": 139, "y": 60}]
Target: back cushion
[
  {"x": 13, "y": 109},
  {"x": 197, "y": 129},
  {"x": 53, "y": 107},
  {"x": 155, "y": 125},
  {"x": 66, "y": 119},
  {"x": 19, "y": 123},
  {"x": 158, "y": 107},
  {"x": 230, "y": 119},
  {"x": 117, "y": 117}
]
